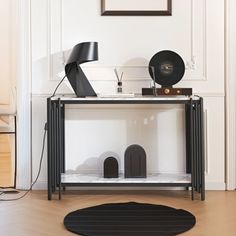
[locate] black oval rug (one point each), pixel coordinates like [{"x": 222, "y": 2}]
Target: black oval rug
[{"x": 129, "y": 219}]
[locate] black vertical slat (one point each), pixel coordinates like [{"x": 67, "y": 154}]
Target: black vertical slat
[
  {"x": 191, "y": 147},
  {"x": 63, "y": 140},
  {"x": 15, "y": 131},
  {"x": 63, "y": 137},
  {"x": 54, "y": 145},
  {"x": 49, "y": 152},
  {"x": 57, "y": 147},
  {"x": 199, "y": 146},
  {"x": 60, "y": 150},
  {"x": 202, "y": 151},
  {"x": 194, "y": 145},
  {"x": 188, "y": 139}
]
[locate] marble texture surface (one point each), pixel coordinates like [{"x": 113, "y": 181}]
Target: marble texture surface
[{"x": 151, "y": 178}]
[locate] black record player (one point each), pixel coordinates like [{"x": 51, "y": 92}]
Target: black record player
[{"x": 166, "y": 69}]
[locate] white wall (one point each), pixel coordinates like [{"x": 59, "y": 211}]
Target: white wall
[
  {"x": 231, "y": 94},
  {"x": 7, "y": 49},
  {"x": 195, "y": 30}
]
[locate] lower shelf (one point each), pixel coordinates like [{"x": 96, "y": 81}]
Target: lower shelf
[{"x": 152, "y": 179}]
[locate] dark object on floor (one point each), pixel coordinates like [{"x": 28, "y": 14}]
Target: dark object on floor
[
  {"x": 129, "y": 219},
  {"x": 11, "y": 192},
  {"x": 135, "y": 162},
  {"x": 111, "y": 168}
]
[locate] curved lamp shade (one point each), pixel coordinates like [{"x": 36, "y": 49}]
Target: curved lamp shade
[{"x": 81, "y": 53}]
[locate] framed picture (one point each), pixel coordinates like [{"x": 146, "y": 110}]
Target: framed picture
[{"x": 136, "y": 7}]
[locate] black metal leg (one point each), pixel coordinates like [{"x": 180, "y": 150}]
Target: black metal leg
[
  {"x": 202, "y": 154},
  {"x": 49, "y": 138},
  {"x": 188, "y": 139},
  {"x": 63, "y": 137},
  {"x": 54, "y": 147},
  {"x": 191, "y": 148},
  {"x": 194, "y": 146},
  {"x": 60, "y": 150},
  {"x": 197, "y": 147},
  {"x": 15, "y": 131}
]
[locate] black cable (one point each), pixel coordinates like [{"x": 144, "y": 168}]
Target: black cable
[
  {"x": 58, "y": 86},
  {"x": 39, "y": 171}
]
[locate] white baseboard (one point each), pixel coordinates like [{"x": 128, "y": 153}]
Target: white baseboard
[
  {"x": 40, "y": 185},
  {"x": 215, "y": 186}
]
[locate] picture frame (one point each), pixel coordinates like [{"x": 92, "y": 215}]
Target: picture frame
[{"x": 136, "y": 8}]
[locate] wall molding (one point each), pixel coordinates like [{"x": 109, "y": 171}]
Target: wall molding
[
  {"x": 23, "y": 10},
  {"x": 56, "y": 62},
  {"x": 192, "y": 63},
  {"x": 230, "y": 84}
]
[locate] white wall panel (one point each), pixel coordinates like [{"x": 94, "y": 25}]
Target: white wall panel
[
  {"x": 230, "y": 95},
  {"x": 7, "y": 48},
  {"x": 195, "y": 30}
]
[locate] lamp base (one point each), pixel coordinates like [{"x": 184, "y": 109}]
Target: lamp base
[
  {"x": 167, "y": 91},
  {"x": 80, "y": 83}
]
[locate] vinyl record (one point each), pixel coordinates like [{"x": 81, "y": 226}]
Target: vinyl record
[{"x": 166, "y": 68}]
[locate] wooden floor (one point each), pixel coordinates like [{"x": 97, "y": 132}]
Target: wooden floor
[
  {"x": 36, "y": 216},
  {"x": 6, "y": 175}
]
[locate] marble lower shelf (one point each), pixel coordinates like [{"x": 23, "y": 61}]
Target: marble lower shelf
[{"x": 165, "y": 179}]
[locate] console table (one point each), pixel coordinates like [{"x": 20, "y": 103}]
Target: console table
[{"x": 194, "y": 177}]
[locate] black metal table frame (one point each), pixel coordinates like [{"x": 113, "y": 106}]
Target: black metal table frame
[{"x": 194, "y": 142}]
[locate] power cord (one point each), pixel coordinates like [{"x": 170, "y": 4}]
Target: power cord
[
  {"x": 39, "y": 171},
  {"x": 40, "y": 165},
  {"x": 58, "y": 86}
]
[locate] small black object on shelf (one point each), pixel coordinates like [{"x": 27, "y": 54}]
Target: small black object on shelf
[
  {"x": 166, "y": 68},
  {"x": 111, "y": 168},
  {"x": 81, "y": 53},
  {"x": 135, "y": 162}
]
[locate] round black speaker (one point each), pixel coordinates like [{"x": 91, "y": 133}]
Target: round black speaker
[{"x": 166, "y": 68}]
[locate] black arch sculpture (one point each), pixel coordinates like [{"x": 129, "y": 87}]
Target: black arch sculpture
[
  {"x": 111, "y": 168},
  {"x": 135, "y": 162}
]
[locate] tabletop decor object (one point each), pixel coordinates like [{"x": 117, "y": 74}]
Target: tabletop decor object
[
  {"x": 111, "y": 168},
  {"x": 135, "y": 162},
  {"x": 81, "y": 53},
  {"x": 166, "y": 68}
]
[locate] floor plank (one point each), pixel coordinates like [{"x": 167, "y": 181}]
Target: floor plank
[
  {"x": 6, "y": 175},
  {"x": 35, "y": 215}
]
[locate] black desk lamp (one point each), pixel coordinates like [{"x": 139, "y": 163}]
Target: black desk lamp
[{"x": 81, "y": 53}]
